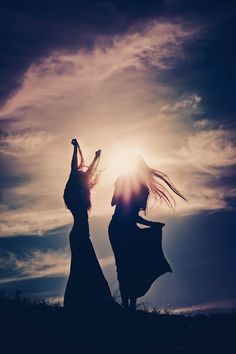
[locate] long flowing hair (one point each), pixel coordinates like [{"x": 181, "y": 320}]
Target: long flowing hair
[
  {"x": 92, "y": 177},
  {"x": 159, "y": 184},
  {"x": 143, "y": 182},
  {"x": 77, "y": 192}
]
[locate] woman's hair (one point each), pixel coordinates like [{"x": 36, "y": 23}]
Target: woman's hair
[
  {"x": 92, "y": 177},
  {"x": 77, "y": 191},
  {"x": 157, "y": 183},
  {"x": 146, "y": 178}
]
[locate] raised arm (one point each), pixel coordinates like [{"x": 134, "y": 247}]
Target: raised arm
[
  {"x": 75, "y": 164},
  {"x": 94, "y": 163},
  {"x": 145, "y": 222}
]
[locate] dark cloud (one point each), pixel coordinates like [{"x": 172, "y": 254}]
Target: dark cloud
[
  {"x": 17, "y": 252},
  {"x": 227, "y": 177},
  {"x": 211, "y": 71},
  {"x": 13, "y": 161},
  {"x": 55, "y": 239},
  {"x": 29, "y": 30},
  {"x": 10, "y": 178}
]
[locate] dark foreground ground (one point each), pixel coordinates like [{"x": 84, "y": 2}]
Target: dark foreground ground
[{"x": 28, "y": 326}]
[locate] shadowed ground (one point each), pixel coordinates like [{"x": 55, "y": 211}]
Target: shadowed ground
[{"x": 29, "y": 326}]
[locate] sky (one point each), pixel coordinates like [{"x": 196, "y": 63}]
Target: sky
[{"x": 153, "y": 78}]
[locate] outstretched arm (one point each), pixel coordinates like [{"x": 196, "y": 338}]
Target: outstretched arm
[
  {"x": 75, "y": 165},
  {"x": 145, "y": 222},
  {"x": 94, "y": 163}
]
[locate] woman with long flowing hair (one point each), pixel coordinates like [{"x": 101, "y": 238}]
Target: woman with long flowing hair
[
  {"x": 138, "y": 251},
  {"x": 87, "y": 287}
]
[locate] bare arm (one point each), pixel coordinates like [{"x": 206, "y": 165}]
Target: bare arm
[
  {"x": 94, "y": 163},
  {"x": 145, "y": 222},
  {"x": 74, "y": 162},
  {"x": 116, "y": 193}
]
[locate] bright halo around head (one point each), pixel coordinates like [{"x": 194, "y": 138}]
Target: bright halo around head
[{"x": 124, "y": 161}]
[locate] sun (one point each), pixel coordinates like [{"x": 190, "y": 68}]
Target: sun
[{"x": 123, "y": 160}]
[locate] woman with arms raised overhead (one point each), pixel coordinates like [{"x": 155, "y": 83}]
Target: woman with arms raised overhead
[
  {"x": 138, "y": 252},
  {"x": 87, "y": 287}
]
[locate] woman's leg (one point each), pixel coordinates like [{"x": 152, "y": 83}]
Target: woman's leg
[
  {"x": 125, "y": 302},
  {"x": 133, "y": 303}
]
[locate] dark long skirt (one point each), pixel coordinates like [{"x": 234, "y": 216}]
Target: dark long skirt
[
  {"x": 87, "y": 287},
  {"x": 139, "y": 257}
]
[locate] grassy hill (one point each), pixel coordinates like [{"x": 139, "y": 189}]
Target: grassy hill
[{"x": 30, "y": 326}]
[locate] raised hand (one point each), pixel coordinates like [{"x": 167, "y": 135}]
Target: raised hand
[
  {"x": 74, "y": 142},
  {"x": 98, "y": 153}
]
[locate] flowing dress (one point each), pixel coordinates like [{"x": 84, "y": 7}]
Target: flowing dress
[
  {"x": 138, "y": 254},
  {"x": 86, "y": 287}
]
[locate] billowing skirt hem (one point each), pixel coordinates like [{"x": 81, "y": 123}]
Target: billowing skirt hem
[{"x": 139, "y": 258}]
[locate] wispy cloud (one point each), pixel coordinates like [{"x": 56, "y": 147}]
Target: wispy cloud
[
  {"x": 39, "y": 264},
  {"x": 204, "y": 159},
  {"x": 210, "y": 149},
  {"x": 187, "y": 104},
  {"x": 59, "y": 74},
  {"x": 22, "y": 220},
  {"x": 27, "y": 143}
]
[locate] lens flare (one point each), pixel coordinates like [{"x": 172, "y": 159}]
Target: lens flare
[{"x": 123, "y": 162}]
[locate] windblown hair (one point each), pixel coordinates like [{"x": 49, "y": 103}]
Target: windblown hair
[
  {"x": 136, "y": 188},
  {"x": 77, "y": 194},
  {"x": 154, "y": 180},
  {"x": 92, "y": 177}
]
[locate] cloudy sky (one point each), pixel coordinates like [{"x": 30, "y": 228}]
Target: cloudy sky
[{"x": 153, "y": 78}]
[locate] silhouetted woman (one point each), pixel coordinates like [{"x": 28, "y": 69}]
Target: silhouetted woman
[
  {"x": 87, "y": 287},
  {"x": 138, "y": 252}
]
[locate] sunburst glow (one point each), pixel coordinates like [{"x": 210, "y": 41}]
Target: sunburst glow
[{"x": 123, "y": 161}]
